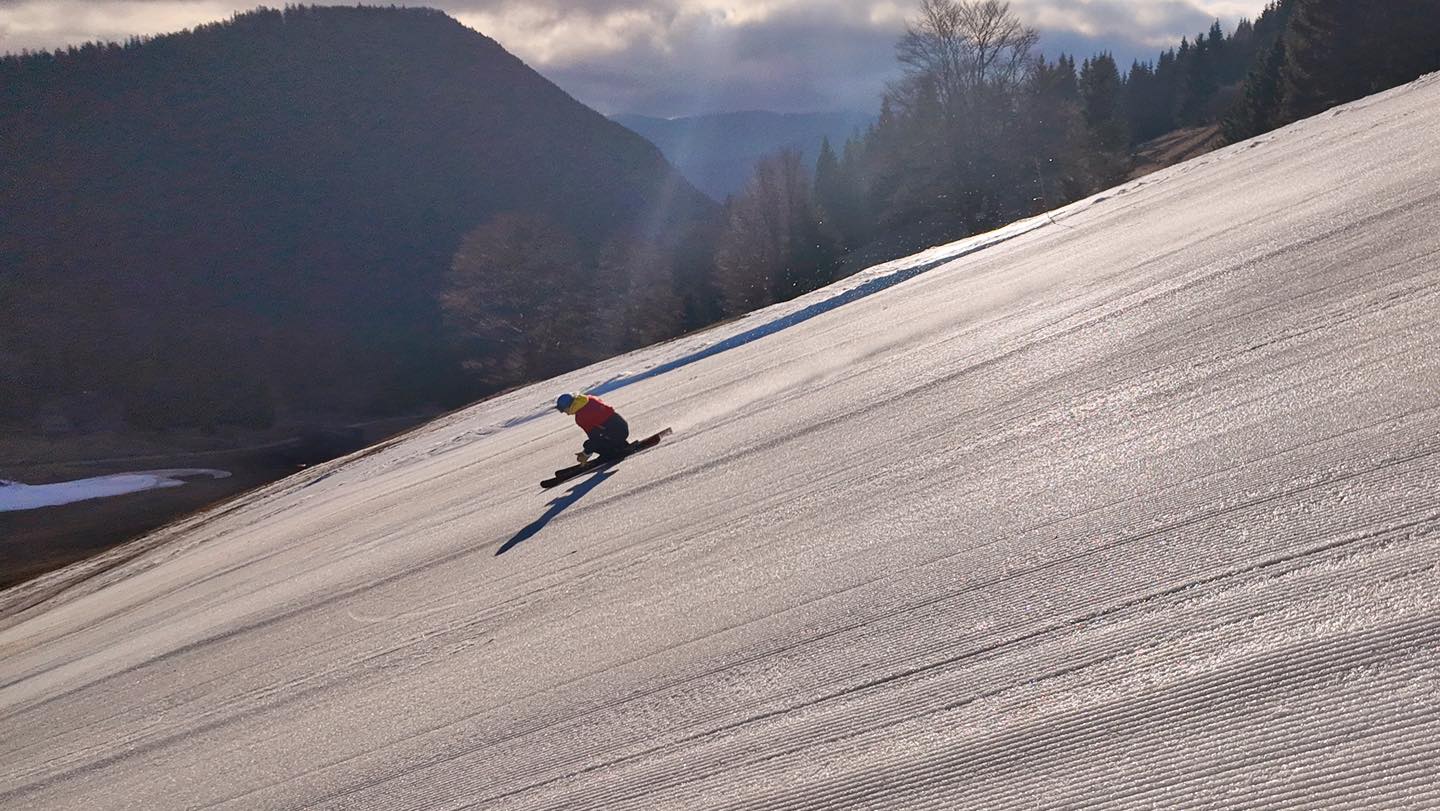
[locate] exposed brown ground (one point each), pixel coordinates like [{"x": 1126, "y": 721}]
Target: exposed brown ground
[{"x": 1174, "y": 147}]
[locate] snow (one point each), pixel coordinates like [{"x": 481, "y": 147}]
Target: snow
[
  {"x": 17, "y": 496},
  {"x": 1132, "y": 509}
]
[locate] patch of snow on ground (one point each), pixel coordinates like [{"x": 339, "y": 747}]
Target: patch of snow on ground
[{"x": 15, "y": 496}]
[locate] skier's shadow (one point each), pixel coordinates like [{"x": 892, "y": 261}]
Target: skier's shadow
[{"x": 557, "y": 506}]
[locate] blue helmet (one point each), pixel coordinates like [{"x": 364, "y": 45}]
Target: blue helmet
[{"x": 563, "y": 402}]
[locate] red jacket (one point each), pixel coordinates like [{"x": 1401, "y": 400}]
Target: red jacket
[{"x": 592, "y": 414}]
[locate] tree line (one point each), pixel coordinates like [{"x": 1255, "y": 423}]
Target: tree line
[
  {"x": 980, "y": 130},
  {"x": 1328, "y": 53}
]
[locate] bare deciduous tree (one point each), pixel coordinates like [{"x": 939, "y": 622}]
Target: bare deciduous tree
[
  {"x": 967, "y": 66},
  {"x": 960, "y": 50},
  {"x": 772, "y": 248},
  {"x": 514, "y": 302},
  {"x": 636, "y": 302}
]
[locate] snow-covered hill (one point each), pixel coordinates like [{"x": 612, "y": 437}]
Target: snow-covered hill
[{"x": 1137, "y": 507}]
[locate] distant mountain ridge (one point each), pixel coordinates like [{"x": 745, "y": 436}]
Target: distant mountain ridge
[
  {"x": 258, "y": 213},
  {"x": 718, "y": 152}
]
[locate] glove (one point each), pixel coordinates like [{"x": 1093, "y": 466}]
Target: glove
[{"x": 582, "y": 457}]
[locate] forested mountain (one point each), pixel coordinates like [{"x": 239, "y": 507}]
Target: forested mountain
[
  {"x": 262, "y": 217},
  {"x": 981, "y": 130},
  {"x": 719, "y": 153}
]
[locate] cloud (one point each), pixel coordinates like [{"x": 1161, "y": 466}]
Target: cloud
[
  {"x": 40, "y": 24},
  {"x": 775, "y": 58},
  {"x": 667, "y": 57},
  {"x": 1147, "y": 26},
  {"x": 673, "y": 57}
]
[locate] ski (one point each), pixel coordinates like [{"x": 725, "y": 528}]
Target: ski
[{"x": 565, "y": 474}]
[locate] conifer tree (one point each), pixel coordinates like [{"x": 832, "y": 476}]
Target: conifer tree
[
  {"x": 1326, "y": 56},
  {"x": 1167, "y": 83},
  {"x": 1100, "y": 88},
  {"x": 1199, "y": 84},
  {"x": 773, "y": 248},
  {"x": 1258, "y": 108},
  {"x": 855, "y": 216},
  {"x": 840, "y": 196},
  {"x": 829, "y": 190},
  {"x": 516, "y": 302},
  {"x": 1146, "y": 106},
  {"x": 1109, "y": 133},
  {"x": 1216, "y": 45},
  {"x": 1240, "y": 53},
  {"x": 1057, "y": 138},
  {"x": 1411, "y": 30},
  {"x": 1180, "y": 82},
  {"x": 636, "y": 302}
]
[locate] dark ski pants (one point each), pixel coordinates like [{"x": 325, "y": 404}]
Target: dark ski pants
[{"x": 609, "y": 440}]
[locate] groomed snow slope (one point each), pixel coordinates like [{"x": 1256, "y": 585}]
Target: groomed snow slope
[{"x": 1136, "y": 509}]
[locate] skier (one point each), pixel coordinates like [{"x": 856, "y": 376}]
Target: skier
[{"x": 605, "y": 429}]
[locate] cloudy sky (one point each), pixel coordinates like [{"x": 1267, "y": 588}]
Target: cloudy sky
[{"x": 681, "y": 57}]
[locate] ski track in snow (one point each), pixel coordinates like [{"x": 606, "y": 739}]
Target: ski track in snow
[{"x": 1138, "y": 512}]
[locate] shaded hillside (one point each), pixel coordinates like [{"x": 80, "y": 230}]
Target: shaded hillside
[
  {"x": 256, "y": 217},
  {"x": 1172, "y": 148},
  {"x": 718, "y": 153}
]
